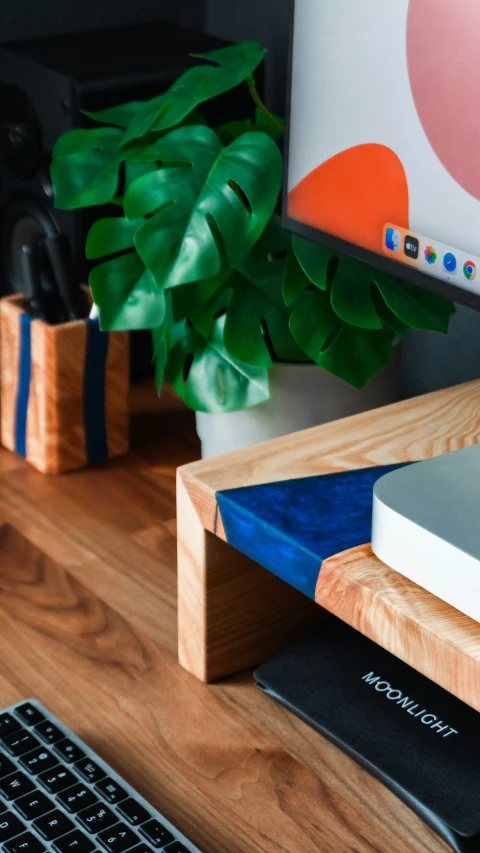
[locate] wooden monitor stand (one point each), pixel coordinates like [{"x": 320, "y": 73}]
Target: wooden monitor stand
[{"x": 233, "y": 613}]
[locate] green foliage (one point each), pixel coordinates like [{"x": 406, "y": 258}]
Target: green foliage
[
  {"x": 199, "y": 256},
  {"x": 352, "y": 353},
  {"x": 211, "y": 210},
  {"x": 123, "y": 288},
  {"x": 223, "y": 70},
  {"x": 207, "y": 376}
]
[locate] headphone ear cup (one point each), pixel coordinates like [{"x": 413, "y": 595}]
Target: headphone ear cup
[{"x": 25, "y": 222}]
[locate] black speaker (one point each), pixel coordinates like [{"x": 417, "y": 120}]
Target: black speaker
[{"x": 44, "y": 86}]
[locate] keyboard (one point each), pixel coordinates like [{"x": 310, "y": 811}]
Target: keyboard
[{"x": 58, "y": 796}]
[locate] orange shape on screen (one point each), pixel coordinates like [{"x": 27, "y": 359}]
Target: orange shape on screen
[{"x": 353, "y": 195}]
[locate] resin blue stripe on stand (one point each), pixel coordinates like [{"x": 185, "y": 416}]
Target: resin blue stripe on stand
[{"x": 292, "y": 526}]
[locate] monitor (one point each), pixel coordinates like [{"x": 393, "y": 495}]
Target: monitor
[{"x": 383, "y": 136}]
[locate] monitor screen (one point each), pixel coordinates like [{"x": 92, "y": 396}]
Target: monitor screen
[{"x": 384, "y": 136}]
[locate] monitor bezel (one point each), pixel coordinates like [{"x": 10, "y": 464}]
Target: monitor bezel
[{"x": 336, "y": 244}]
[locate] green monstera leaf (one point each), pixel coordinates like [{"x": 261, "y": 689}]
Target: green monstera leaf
[
  {"x": 414, "y": 306},
  {"x": 257, "y": 325},
  {"x": 185, "y": 157},
  {"x": 123, "y": 290},
  {"x": 271, "y": 125},
  {"x": 370, "y": 299},
  {"x": 160, "y": 337},
  {"x": 362, "y": 296},
  {"x": 295, "y": 282},
  {"x": 264, "y": 265},
  {"x": 211, "y": 214},
  {"x": 314, "y": 260},
  {"x": 86, "y": 167},
  {"x": 257, "y": 328},
  {"x": 351, "y": 353},
  {"x": 352, "y": 294},
  {"x": 223, "y": 70},
  {"x": 202, "y": 302},
  {"x": 207, "y": 377}
]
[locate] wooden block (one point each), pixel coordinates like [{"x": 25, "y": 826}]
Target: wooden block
[
  {"x": 231, "y": 612},
  {"x": 117, "y": 393},
  {"x": 74, "y": 390},
  {"x": 10, "y": 355},
  {"x": 55, "y": 429}
]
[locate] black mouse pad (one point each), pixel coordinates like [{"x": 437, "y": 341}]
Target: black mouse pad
[{"x": 417, "y": 738}]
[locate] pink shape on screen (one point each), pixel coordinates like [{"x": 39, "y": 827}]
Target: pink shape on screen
[{"x": 443, "y": 40}]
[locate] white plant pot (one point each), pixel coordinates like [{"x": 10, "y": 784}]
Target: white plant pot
[{"x": 301, "y": 396}]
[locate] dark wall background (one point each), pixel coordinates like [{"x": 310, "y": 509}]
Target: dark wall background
[
  {"x": 21, "y": 19},
  {"x": 263, "y": 20}
]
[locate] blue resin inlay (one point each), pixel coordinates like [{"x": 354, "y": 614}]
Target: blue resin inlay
[{"x": 291, "y": 527}]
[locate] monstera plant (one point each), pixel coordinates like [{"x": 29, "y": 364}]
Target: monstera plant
[{"x": 194, "y": 251}]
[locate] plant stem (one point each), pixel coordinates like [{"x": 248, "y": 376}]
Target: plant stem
[{"x": 261, "y": 106}]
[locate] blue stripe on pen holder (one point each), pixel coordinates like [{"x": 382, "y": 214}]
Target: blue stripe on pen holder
[
  {"x": 68, "y": 387},
  {"x": 24, "y": 375},
  {"x": 96, "y": 352}
]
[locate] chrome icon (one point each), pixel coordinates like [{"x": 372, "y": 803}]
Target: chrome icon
[{"x": 470, "y": 270}]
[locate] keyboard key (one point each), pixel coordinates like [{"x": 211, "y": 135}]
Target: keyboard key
[
  {"x": 133, "y": 812},
  {"x": 156, "y": 833},
  {"x": 74, "y": 842},
  {"x": 10, "y": 826},
  {"x": 52, "y": 825},
  {"x": 176, "y": 847},
  {"x": 96, "y": 818},
  {"x": 77, "y": 798},
  {"x": 8, "y": 724},
  {"x": 15, "y": 786},
  {"x": 89, "y": 771},
  {"x": 25, "y": 843},
  {"x": 29, "y": 714},
  {"x": 48, "y": 732},
  {"x": 143, "y": 848},
  {"x": 118, "y": 838},
  {"x": 33, "y": 805},
  {"x": 56, "y": 779},
  {"x": 111, "y": 790},
  {"x": 38, "y": 760},
  {"x": 6, "y": 766},
  {"x": 18, "y": 743},
  {"x": 68, "y": 750}
]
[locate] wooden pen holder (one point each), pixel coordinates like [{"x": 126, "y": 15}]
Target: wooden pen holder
[{"x": 64, "y": 390}]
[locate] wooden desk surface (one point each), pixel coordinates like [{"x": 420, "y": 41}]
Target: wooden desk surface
[{"x": 88, "y": 626}]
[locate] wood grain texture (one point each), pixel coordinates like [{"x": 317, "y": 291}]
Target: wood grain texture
[
  {"x": 403, "y": 432},
  {"x": 419, "y": 628},
  {"x": 55, "y": 435},
  {"x": 55, "y": 428},
  {"x": 117, "y": 393},
  {"x": 402, "y": 617},
  {"x": 88, "y": 626},
  {"x": 9, "y": 361},
  {"x": 225, "y": 600}
]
